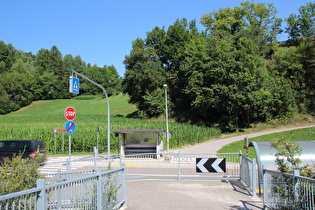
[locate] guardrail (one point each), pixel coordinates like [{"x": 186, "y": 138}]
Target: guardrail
[
  {"x": 287, "y": 191},
  {"x": 102, "y": 190}
]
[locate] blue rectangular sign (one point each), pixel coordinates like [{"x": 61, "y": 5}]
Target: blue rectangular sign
[{"x": 74, "y": 85}]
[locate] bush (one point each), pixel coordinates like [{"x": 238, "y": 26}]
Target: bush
[{"x": 18, "y": 174}]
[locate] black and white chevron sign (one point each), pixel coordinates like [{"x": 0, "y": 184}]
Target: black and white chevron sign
[{"x": 207, "y": 165}]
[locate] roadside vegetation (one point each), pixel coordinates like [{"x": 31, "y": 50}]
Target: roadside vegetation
[{"x": 18, "y": 174}]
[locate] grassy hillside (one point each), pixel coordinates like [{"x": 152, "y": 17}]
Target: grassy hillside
[{"x": 38, "y": 120}]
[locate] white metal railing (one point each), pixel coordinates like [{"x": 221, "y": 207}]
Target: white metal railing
[
  {"x": 248, "y": 173},
  {"x": 101, "y": 190},
  {"x": 287, "y": 191},
  {"x": 178, "y": 165}
]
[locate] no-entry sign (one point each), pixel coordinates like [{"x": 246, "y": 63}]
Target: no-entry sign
[{"x": 70, "y": 113}]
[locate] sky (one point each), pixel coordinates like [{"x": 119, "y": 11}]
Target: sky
[{"x": 101, "y": 32}]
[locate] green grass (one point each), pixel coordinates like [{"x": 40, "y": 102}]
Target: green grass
[
  {"x": 304, "y": 134},
  {"x": 38, "y": 120}
]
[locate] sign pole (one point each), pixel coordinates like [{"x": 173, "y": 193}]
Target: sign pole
[
  {"x": 55, "y": 139},
  {"x": 108, "y": 111},
  {"x": 63, "y": 143},
  {"x": 69, "y": 139}
]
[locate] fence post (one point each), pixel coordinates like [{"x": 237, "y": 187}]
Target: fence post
[
  {"x": 124, "y": 181},
  {"x": 296, "y": 186},
  {"x": 254, "y": 177},
  {"x": 99, "y": 189},
  {"x": 264, "y": 186},
  {"x": 241, "y": 166},
  {"x": 41, "y": 199},
  {"x": 95, "y": 150},
  {"x": 178, "y": 178}
]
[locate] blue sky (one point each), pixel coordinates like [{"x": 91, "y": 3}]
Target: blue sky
[{"x": 102, "y": 31}]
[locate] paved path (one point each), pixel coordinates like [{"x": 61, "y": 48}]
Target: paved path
[
  {"x": 213, "y": 146},
  {"x": 189, "y": 195}
]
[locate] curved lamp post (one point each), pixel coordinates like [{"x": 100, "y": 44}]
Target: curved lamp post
[{"x": 108, "y": 111}]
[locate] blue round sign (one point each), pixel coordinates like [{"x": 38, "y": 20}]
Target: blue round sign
[{"x": 70, "y": 127}]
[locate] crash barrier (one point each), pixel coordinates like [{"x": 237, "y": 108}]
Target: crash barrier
[
  {"x": 287, "y": 191},
  {"x": 101, "y": 190},
  {"x": 248, "y": 173}
]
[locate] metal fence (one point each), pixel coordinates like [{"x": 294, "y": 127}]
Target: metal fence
[
  {"x": 101, "y": 190},
  {"x": 77, "y": 163},
  {"x": 287, "y": 191},
  {"x": 248, "y": 173},
  {"x": 178, "y": 165}
]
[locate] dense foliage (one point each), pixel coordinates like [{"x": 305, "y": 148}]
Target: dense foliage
[
  {"x": 18, "y": 174},
  {"x": 230, "y": 75},
  {"x": 25, "y": 77}
]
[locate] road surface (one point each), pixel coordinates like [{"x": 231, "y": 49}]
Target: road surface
[{"x": 213, "y": 146}]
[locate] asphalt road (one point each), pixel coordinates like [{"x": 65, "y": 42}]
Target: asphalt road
[{"x": 213, "y": 146}]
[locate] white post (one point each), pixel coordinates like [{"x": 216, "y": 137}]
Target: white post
[{"x": 166, "y": 119}]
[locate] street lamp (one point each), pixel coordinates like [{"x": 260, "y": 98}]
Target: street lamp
[{"x": 166, "y": 119}]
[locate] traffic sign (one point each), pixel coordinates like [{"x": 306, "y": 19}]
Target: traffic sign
[
  {"x": 167, "y": 135},
  {"x": 70, "y": 127},
  {"x": 60, "y": 131},
  {"x": 206, "y": 165},
  {"x": 74, "y": 86},
  {"x": 70, "y": 113}
]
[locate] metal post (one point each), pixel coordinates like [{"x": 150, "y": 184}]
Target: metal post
[
  {"x": 166, "y": 119},
  {"x": 95, "y": 156},
  {"x": 63, "y": 143},
  {"x": 178, "y": 165},
  {"x": 55, "y": 139},
  {"x": 123, "y": 165},
  {"x": 99, "y": 192},
  {"x": 265, "y": 191},
  {"x": 108, "y": 111},
  {"x": 296, "y": 186},
  {"x": 41, "y": 201},
  {"x": 69, "y": 139},
  {"x": 254, "y": 177}
]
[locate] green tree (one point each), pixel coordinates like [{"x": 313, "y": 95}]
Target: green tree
[
  {"x": 259, "y": 19},
  {"x": 107, "y": 77},
  {"x": 143, "y": 76},
  {"x": 6, "y": 56},
  {"x": 302, "y": 25}
]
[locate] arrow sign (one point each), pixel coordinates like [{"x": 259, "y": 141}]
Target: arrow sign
[{"x": 206, "y": 165}]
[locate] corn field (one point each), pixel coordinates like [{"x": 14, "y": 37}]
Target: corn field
[{"x": 40, "y": 125}]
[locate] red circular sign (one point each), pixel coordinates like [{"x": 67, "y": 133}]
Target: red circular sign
[{"x": 70, "y": 113}]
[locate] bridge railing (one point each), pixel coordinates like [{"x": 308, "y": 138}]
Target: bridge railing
[
  {"x": 287, "y": 191},
  {"x": 248, "y": 173},
  {"x": 101, "y": 190}
]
